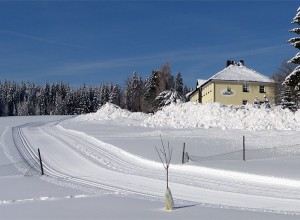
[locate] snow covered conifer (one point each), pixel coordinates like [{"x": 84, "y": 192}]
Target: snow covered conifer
[
  {"x": 179, "y": 84},
  {"x": 287, "y": 99},
  {"x": 114, "y": 95},
  {"x": 150, "y": 92},
  {"x": 293, "y": 80},
  {"x": 103, "y": 95},
  {"x": 132, "y": 93},
  {"x": 167, "y": 97}
]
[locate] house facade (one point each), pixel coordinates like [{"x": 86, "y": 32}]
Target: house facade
[{"x": 235, "y": 85}]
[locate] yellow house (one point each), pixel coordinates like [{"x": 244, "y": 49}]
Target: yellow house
[
  {"x": 195, "y": 96},
  {"x": 235, "y": 85}
]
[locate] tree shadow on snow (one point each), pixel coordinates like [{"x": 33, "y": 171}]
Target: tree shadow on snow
[{"x": 184, "y": 206}]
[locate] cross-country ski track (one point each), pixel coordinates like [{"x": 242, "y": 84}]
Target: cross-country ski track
[{"x": 82, "y": 159}]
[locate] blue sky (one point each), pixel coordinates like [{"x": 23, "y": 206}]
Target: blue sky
[{"x": 105, "y": 41}]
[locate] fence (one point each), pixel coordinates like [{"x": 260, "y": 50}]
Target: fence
[{"x": 247, "y": 154}]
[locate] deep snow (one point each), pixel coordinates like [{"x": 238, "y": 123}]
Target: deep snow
[
  {"x": 195, "y": 115},
  {"x": 249, "y": 117},
  {"x": 114, "y": 150}
]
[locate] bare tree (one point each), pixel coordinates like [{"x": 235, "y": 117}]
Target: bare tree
[{"x": 165, "y": 158}]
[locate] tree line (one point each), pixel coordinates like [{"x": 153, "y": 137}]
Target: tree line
[{"x": 137, "y": 94}]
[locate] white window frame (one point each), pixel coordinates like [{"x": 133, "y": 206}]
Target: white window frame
[
  {"x": 245, "y": 87},
  {"x": 262, "y": 90}
]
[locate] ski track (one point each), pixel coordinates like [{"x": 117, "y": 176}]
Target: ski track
[{"x": 82, "y": 159}]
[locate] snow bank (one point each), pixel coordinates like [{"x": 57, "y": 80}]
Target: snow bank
[
  {"x": 192, "y": 115},
  {"x": 111, "y": 111}
]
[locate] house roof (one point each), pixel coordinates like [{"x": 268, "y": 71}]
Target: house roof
[
  {"x": 200, "y": 82},
  {"x": 240, "y": 73}
]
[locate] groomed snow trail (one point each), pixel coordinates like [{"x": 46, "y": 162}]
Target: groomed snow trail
[{"x": 83, "y": 159}]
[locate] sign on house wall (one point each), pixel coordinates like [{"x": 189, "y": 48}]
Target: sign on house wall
[{"x": 228, "y": 91}]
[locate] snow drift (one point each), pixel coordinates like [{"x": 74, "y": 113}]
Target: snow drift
[
  {"x": 193, "y": 115},
  {"x": 111, "y": 111}
]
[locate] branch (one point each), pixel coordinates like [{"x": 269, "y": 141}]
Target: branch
[
  {"x": 170, "y": 153},
  {"x": 164, "y": 153},
  {"x": 167, "y": 155},
  {"x": 160, "y": 158},
  {"x": 162, "y": 143}
]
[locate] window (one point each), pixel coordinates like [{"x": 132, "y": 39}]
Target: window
[
  {"x": 262, "y": 89},
  {"x": 245, "y": 102},
  {"x": 245, "y": 88}
]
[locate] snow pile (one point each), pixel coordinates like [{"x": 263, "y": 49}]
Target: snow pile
[
  {"x": 111, "y": 111},
  {"x": 192, "y": 115}
]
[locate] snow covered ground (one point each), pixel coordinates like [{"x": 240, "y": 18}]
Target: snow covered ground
[{"x": 104, "y": 165}]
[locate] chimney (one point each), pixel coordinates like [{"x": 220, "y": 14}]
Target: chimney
[{"x": 229, "y": 62}]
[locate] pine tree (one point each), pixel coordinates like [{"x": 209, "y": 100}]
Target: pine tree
[
  {"x": 167, "y": 97},
  {"x": 83, "y": 101},
  {"x": 132, "y": 93},
  {"x": 47, "y": 99},
  {"x": 287, "y": 99},
  {"x": 93, "y": 101},
  {"x": 10, "y": 98},
  {"x": 69, "y": 103},
  {"x": 293, "y": 80},
  {"x": 1, "y": 99},
  {"x": 114, "y": 95},
  {"x": 151, "y": 86},
  {"x": 103, "y": 95},
  {"x": 40, "y": 102},
  {"x": 279, "y": 76},
  {"x": 179, "y": 84}
]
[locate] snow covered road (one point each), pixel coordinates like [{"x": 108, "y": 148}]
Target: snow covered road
[{"x": 83, "y": 159}]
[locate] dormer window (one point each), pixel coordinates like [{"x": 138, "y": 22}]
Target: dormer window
[{"x": 245, "y": 88}]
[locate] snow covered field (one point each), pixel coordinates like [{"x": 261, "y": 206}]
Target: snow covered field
[{"x": 104, "y": 165}]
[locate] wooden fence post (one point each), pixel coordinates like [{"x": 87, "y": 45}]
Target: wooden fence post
[
  {"x": 41, "y": 163},
  {"x": 183, "y": 153},
  {"x": 244, "y": 149}
]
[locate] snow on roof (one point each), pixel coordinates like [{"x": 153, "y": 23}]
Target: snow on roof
[
  {"x": 240, "y": 73},
  {"x": 200, "y": 82},
  {"x": 189, "y": 93}
]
